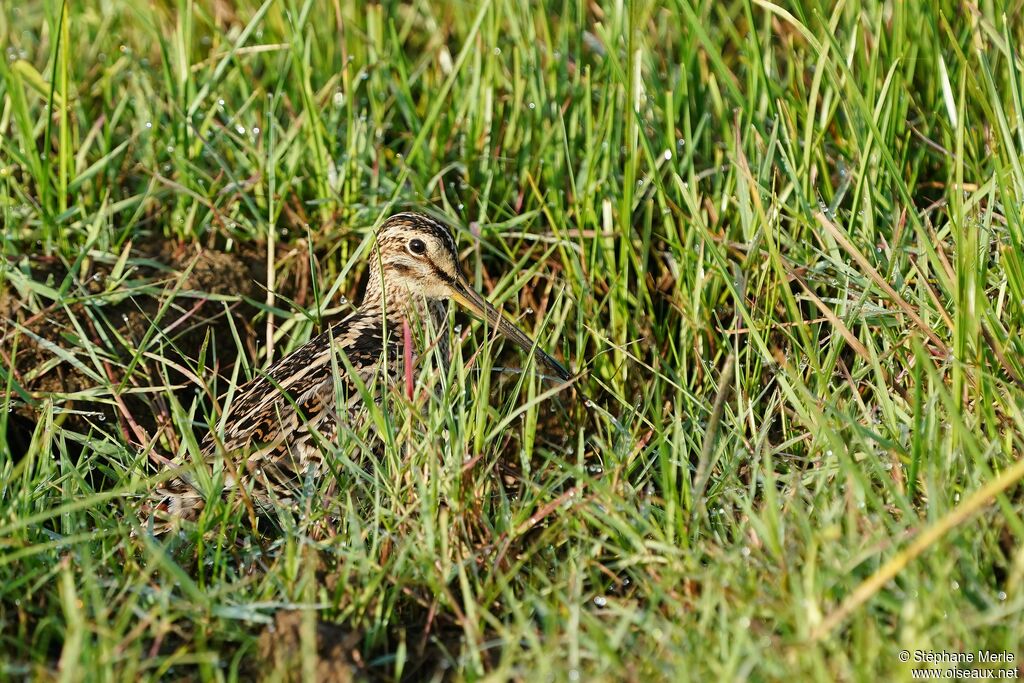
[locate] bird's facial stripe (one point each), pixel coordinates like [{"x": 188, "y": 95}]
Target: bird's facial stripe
[
  {"x": 440, "y": 274},
  {"x": 406, "y": 223}
]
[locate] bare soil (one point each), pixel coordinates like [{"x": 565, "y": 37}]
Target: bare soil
[{"x": 186, "y": 298}]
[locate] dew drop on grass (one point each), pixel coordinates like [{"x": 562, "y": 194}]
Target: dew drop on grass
[
  {"x": 531, "y": 105},
  {"x": 149, "y": 124},
  {"x": 667, "y": 154},
  {"x": 600, "y": 601},
  {"x": 528, "y": 311},
  {"x": 240, "y": 129},
  {"x": 1001, "y": 596},
  {"x": 955, "y": 586}
]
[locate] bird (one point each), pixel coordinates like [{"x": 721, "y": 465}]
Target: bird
[{"x": 277, "y": 431}]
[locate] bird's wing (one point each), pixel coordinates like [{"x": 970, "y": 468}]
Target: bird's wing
[{"x": 301, "y": 380}]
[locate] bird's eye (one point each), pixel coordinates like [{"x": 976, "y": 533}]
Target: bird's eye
[{"x": 417, "y": 246}]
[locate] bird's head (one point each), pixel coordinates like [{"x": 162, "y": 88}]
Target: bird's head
[{"x": 415, "y": 256}]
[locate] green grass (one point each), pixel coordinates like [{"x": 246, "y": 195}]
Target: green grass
[{"x": 819, "y": 206}]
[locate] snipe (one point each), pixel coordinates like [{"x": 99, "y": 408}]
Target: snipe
[{"x": 277, "y": 428}]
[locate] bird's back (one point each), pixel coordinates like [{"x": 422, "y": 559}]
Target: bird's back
[{"x": 276, "y": 428}]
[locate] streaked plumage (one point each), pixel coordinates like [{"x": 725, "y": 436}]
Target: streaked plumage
[{"x": 276, "y": 429}]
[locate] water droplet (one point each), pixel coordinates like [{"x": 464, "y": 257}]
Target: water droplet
[
  {"x": 955, "y": 586},
  {"x": 149, "y": 124},
  {"x": 600, "y": 601},
  {"x": 240, "y": 129},
  {"x": 531, "y": 105},
  {"x": 1001, "y": 596},
  {"x": 667, "y": 154},
  {"x": 255, "y": 130},
  {"x": 497, "y": 50},
  {"x": 220, "y": 103},
  {"x": 528, "y": 311},
  {"x": 588, "y": 403}
]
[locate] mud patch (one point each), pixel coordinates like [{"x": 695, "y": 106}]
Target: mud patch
[
  {"x": 102, "y": 341},
  {"x": 297, "y": 644}
]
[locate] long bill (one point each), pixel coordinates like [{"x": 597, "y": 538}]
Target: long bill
[{"x": 478, "y": 305}]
